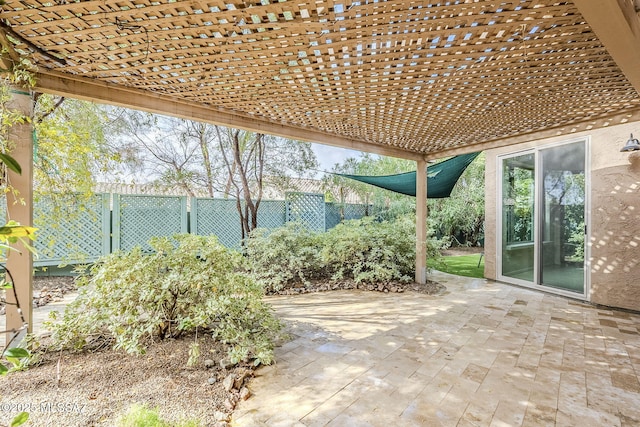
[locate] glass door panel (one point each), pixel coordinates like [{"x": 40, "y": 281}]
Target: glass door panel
[
  {"x": 562, "y": 222},
  {"x": 518, "y": 220}
]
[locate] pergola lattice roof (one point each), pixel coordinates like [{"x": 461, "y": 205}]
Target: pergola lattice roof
[{"x": 400, "y": 77}]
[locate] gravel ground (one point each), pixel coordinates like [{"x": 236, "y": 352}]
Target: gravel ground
[{"x": 46, "y": 289}]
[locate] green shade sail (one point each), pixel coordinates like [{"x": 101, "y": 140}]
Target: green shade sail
[{"x": 441, "y": 178}]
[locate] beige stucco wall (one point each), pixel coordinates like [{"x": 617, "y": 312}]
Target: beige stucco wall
[{"x": 614, "y": 214}]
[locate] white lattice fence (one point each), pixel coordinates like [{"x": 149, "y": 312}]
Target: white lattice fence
[
  {"x": 138, "y": 218},
  {"x": 306, "y": 208},
  {"x": 272, "y": 214},
  {"x": 332, "y": 215},
  {"x": 356, "y": 211},
  {"x": 218, "y": 217},
  {"x": 71, "y": 230}
]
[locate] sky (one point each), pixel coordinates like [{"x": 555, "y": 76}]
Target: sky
[{"x": 328, "y": 155}]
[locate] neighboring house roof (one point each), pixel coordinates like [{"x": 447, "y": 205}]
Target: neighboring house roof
[{"x": 271, "y": 190}]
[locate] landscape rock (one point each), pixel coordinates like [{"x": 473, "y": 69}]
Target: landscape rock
[
  {"x": 221, "y": 416},
  {"x": 209, "y": 363},
  {"x": 229, "y": 381},
  {"x": 229, "y": 405},
  {"x": 224, "y": 363},
  {"x": 245, "y": 393},
  {"x": 212, "y": 380},
  {"x": 239, "y": 381}
]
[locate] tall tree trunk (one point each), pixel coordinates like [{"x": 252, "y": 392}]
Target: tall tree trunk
[{"x": 206, "y": 158}]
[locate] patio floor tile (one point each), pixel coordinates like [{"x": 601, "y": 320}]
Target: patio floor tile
[{"x": 481, "y": 354}]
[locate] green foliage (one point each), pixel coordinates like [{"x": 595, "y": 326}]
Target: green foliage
[
  {"x": 387, "y": 204},
  {"x": 19, "y": 76},
  {"x": 285, "y": 255},
  {"x": 577, "y": 238},
  {"x": 364, "y": 250},
  {"x": 141, "y": 416},
  {"x": 17, "y": 358},
  {"x": 71, "y": 146},
  {"x": 19, "y": 419},
  {"x": 461, "y": 216},
  {"x": 129, "y": 299},
  {"x": 12, "y": 233},
  {"x": 371, "y": 252}
]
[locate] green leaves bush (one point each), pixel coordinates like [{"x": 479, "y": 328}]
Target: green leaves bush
[
  {"x": 286, "y": 255},
  {"x": 371, "y": 252},
  {"x": 130, "y": 299},
  {"x": 364, "y": 250}
]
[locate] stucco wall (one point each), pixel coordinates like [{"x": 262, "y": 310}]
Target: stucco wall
[{"x": 614, "y": 214}]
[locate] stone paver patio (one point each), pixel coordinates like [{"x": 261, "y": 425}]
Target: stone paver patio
[{"x": 483, "y": 354}]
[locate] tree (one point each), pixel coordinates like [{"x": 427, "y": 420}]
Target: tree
[
  {"x": 71, "y": 149},
  {"x": 222, "y": 161},
  {"x": 461, "y": 215},
  {"x": 385, "y": 203}
]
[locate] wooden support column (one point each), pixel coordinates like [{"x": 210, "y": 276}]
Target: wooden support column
[
  {"x": 20, "y": 262},
  {"x": 421, "y": 222}
]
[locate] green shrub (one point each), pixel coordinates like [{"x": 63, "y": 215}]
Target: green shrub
[
  {"x": 364, "y": 250},
  {"x": 129, "y": 299},
  {"x": 289, "y": 254},
  {"x": 371, "y": 252},
  {"x": 141, "y": 416}
]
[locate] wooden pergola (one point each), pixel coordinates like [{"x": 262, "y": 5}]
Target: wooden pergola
[{"x": 404, "y": 78}]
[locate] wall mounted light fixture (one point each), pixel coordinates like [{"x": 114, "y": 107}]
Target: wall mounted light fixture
[{"x": 632, "y": 144}]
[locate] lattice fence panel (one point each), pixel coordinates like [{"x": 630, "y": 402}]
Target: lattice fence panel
[
  {"x": 71, "y": 230},
  {"x": 332, "y": 215},
  {"x": 218, "y": 217},
  {"x": 139, "y": 218},
  {"x": 356, "y": 211},
  {"x": 307, "y": 208},
  {"x": 272, "y": 214}
]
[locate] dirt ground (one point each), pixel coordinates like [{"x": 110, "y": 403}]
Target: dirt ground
[
  {"x": 94, "y": 389},
  {"x": 462, "y": 250}
]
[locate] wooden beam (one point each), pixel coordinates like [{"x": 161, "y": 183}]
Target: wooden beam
[
  {"x": 421, "y": 222},
  {"x": 95, "y": 91},
  {"x": 20, "y": 262},
  {"x": 8, "y": 55},
  {"x": 617, "y": 25}
]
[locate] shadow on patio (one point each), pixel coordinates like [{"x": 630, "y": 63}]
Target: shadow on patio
[{"x": 483, "y": 354}]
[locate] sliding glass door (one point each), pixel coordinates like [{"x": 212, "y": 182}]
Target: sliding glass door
[
  {"x": 543, "y": 217},
  {"x": 562, "y": 223},
  {"x": 518, "y": 220}
]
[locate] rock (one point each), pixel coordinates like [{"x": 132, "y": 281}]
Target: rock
[
  {"x": 228, "y": 382},
  {"x": 221, "y": 424},
  {"x": 245, "y": 393},
  {"x": 209, "y": 363},
  {"x": 224, "y": 363},
  {"x": 221, "y": 416},
  {"x": 212, "y": 380},
  {"x": 229, "y": 405},
  {"x": 239, "y": 381}
]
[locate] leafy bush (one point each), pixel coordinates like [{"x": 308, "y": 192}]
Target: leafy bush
[
  {"x": 371, "y": 252},
  {"x": 361, "y": 250},
  {"x": 141, "y": 416},
  {"x": 129, "y": 299},
  {"x": 285, "y": 255}
]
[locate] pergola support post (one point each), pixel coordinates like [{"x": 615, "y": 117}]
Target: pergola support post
[
  {"x": 421, "y": 222},
  {"x": 20, "y": 209}
]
